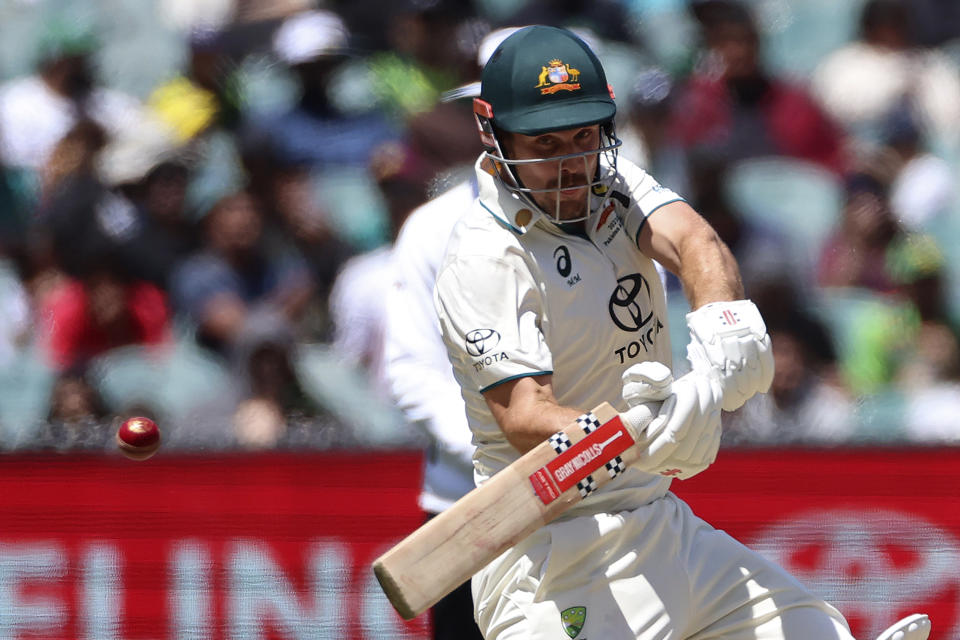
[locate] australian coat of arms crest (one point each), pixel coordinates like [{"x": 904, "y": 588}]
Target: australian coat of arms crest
[{"x": 558, "y": 76}]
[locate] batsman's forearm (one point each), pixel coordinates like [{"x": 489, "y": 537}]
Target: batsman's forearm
[
  {"x": 527, "y": 411},
  {"x": 525, "y": 430},
  {"x": 682, "y": 241},
  {"x": 708, "y": 270}
]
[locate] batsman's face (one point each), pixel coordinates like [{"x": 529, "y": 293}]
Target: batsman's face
[{"x": 557, "y": 181}]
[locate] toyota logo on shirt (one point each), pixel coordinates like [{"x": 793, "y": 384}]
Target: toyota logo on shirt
[
  {"x": 625, "y": 303},
  {"x": 480, "y": 341}
]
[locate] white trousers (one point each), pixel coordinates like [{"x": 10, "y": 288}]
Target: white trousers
[{"x": 656, "y": 573}]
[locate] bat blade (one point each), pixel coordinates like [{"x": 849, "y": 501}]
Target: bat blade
[{"x": 534, "y": 490}]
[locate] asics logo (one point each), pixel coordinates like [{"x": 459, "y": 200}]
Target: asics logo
[{"x": 562, "y": 255}]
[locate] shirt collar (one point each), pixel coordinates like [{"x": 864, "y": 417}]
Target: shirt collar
[{"x": 508, "y": 207}]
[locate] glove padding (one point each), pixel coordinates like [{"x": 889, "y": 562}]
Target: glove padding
[
  {"x": 646, "y": 382},
  {"x": 686, "y": 430},
  {"x": 731, "y": 338}
]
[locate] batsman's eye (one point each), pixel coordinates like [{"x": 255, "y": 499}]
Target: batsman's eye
[{"x": 585, "y": 135}]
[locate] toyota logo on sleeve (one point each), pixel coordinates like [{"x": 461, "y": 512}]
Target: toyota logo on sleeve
[
  {"x": 480, "y": 341},
  {"x": 625, "y": 309}
]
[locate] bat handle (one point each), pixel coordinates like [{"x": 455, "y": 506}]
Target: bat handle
[{"x": 638, "y": 418}]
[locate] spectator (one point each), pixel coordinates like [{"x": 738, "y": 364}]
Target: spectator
[
  {"x": 147, "y": 168},
  {"x": 861, "y": 83},
  {"x": 200, "y": 98},
  {"x": 922, "y": 189},
  {"x": 82, "y": 317},
  {"x": 87, "y": 316},
  {"x": 202, "y": 107},
  {"x": 82, "y": 232},
  {"x": 315, "y": 132},
  {"x": 855, "y": 255},
  {"x": 81, "y": 220},
  {"x": 731, "y": 108},
  {"x": 917, "y": 265},
  {"x": 297, "y": 221},
  {"x": 906, "y": 342},
  {"x": 166, "y": 235},
  {"x": 234, "y": 288},
  {"x": 265, "y": 406},
  {"x": 246, "y": 301},
  {"x": 424, "y": 58},
  {"x": 121, "y": 197},
  {"x": 37, "y": 111}
]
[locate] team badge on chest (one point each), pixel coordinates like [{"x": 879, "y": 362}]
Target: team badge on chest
[{"x": 573, "y": 620}]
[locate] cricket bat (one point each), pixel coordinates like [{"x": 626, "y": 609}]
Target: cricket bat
[{"x": 534, "y": 490}]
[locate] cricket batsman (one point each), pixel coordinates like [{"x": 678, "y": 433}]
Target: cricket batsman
[{"x": 550, "y": 303}]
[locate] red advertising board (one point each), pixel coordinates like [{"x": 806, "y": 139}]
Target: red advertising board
[
  {"x": 202, "y": 547},
  {"x": 278, "y": 546},
  {"x": 875, "y": 532}
]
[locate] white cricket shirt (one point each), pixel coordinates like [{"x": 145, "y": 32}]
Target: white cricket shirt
[{"x": 516, "y": 296}]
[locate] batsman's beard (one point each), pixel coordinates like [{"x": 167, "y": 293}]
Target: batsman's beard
[{"x": 563, "y": 198}]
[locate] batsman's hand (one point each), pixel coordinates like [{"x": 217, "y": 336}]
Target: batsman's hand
[
  {"x": 646, "y": 382},
  {"x": 731, "y": 339},
  {"x": 685, "y": 432}
]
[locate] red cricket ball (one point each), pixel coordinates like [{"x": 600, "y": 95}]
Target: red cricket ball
[{"x": 138, "y": 438}]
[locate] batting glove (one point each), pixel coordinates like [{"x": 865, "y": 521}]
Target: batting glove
[
  {"x": 731, "y": 339},
  {"x": 685, "y": 432},
  {"x": 646, "y": 382}
]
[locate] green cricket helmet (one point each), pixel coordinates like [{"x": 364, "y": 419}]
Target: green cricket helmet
[{"x": 543, "y": 79}]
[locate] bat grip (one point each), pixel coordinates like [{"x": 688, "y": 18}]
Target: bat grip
[{"x": 638, "y": 418}]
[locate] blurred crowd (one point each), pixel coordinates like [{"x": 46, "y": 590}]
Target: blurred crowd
[{"x": 204, "y": 236}]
